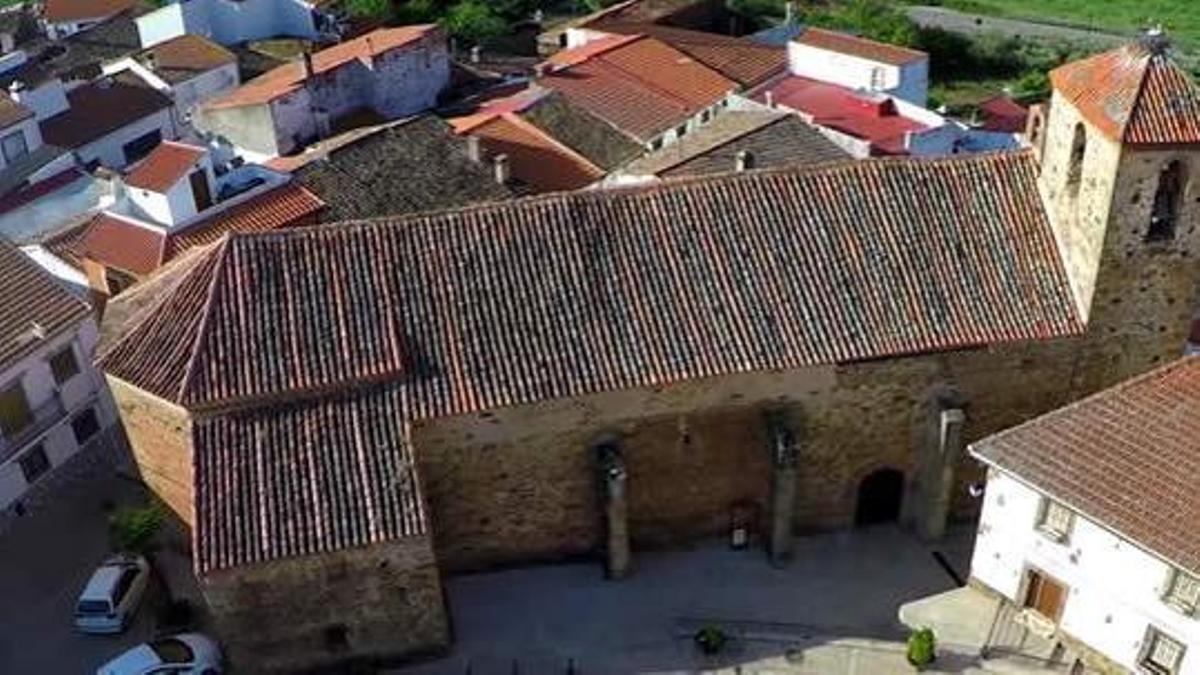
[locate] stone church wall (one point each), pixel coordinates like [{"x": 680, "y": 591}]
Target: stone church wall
[
  {"x": 160, "y": 438},
  {"x": 374, "y": 604}
]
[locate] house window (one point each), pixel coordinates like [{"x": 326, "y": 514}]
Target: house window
[
  {"x": 14, "y": 146},
  {"x": 1183, "y": 591},
  {"x": 1078, "y": 150},
  {"x": 1167, "y": 198},
  {"x": 1055, "y": 520},
  {"x": 877, "y": 79},
  {"x": 1161, "y": 654},
  {"x": 14, "y": 410},
  {"x": 681, "y": 131},
  {"x": 34, "y": 463},
  {"x": 63, "y": 365},
  {"x": 141, "y": 146},
  {"x": 85, "y": 425}
]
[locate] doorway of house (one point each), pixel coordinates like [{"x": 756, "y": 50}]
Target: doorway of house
[
  {"x": 879, "y": 497},
  {"x": 1044, "y": 595}
]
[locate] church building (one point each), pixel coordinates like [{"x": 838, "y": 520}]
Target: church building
[{"x": 346, "y": 414}]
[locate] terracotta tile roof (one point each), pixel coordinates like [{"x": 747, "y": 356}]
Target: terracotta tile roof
[
  {"x": 870, "y": 117},
  {"x": 642, "y": 87},
  {"x": 185, "y": 57},
  {"x": 290, "y": 77},
  {"x": 12, "y": 112},
  {"x": 1127, "y": 458},
  {"x": 740, "y": 59},
  {"x": 774, "y": 138},
  {"x": 102, "y": 107},
  {"x": 288, "y": 205},
  {"x": 58, "y": 11},
  {"x": 1003, "y": 114},
  {"x": 122, "y": 243},
  {"x": 1133, "y": 94},
  {"x": 167, "y": 164},
  {"x": 306, "y": 479},
  {"x": 32, "y": 303},
  {"x": 125, "y": 244},
  {"x": 860, "y": 47},
  {"x": 581, "y": 292},
  {"x": 535, "y": 158}
]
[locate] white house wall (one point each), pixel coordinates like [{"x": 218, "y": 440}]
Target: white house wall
[
  {"x": 87, "y": 388},
  {"x": 28, "y": 128},
  {"x": 1115, "y": 586},
  {"x": 909, "y": 82},
  {"x": 229, "y": 22},
  {"x": 204, "y": 86},
  {"x": 109, "y": 149}
]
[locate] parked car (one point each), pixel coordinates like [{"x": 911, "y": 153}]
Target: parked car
[
  {"x": 186, "y": 654},
  {"x": 111, "y": 597}
]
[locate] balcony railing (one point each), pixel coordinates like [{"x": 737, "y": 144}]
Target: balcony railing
[{"x": 40, "y": 420}]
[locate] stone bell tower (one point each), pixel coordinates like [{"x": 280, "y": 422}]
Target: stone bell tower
[{"x": 1119, "y": 154}]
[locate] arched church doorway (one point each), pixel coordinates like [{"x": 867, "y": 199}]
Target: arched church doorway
[{"x": 879, "y": 497}]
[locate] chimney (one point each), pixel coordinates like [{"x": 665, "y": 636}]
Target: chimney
[
  {"x": 476, "y": 54},
  {"x": 789, "y": 13},
  {"x": 540, "y": 70},
  {"x": 150, "y": 61},
  {"x": 474, "y": 149},
  {"x": 744, "y": 161},
  {"x": 769, "y": 99},
  {"x": 307, "y": 64},
  {"x": 503, "y": 173}
]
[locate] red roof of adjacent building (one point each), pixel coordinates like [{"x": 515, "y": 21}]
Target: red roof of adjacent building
[
  {"x": 126, "y": 244},
  {"x": 1127, "y": 458},
  {"x": 166, "y": 165},
  {"x": 290, "y": 77},
  {"x": 57, "y": 11},
  {"x": 860, "y": 47},
  {"x": 1001, "y": 113},
  {"x": 872, "y": 118},
  {"x": 1133, "y": 94},
  {"x": 740, "y": 59},
  {"x": 535, "y": 158},
  {"x": 640, "y": 85}
]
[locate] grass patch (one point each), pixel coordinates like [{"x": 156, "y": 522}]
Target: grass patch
[{"x": 1179, "y": 17}]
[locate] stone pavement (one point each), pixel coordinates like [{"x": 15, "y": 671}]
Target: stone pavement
[{"x": 838, "y": 597}]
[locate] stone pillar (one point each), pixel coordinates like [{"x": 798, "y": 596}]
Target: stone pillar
[
  {"x": 783, "y": 489},
  {"x": 938, "y": 476},
  {"x": 613, "y": 479}
]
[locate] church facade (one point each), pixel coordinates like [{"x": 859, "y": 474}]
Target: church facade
[{"x": 368, "y": 407}]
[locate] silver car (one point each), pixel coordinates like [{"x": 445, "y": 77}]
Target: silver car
[
  {"x": 186, "y": 654},
  {"x": 112, "y": 595}
]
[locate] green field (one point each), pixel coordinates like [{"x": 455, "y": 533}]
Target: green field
[{"x": 1181, "y": 18}]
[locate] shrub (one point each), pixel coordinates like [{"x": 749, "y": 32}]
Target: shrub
[
  {"x": 132, "y": 529},
  {"x": 474, "y": 21},
  {"x": 711, "y": 640},
  {"x": 922, "y": 646},
  {"x": 369, "y": 9}
]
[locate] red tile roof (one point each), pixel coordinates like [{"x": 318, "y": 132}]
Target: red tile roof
[
  {"x": 851, "y": 45},
  {"x": 535, "y": 158},
  {"x": 1134, "y": 94},
  {"x": 641, "y": 86},
  {"x": 1001, "y": 113},
  {"x": 166, "y": 165},
  {"x": 341, "y": 473},
  {"x": 872, "y": 118},
  {"x": 740, "y": 59},
  {"x": 290, "y": 77},
  {"x": 185, "y": 57},
  {"x": 1127, "y": 458},
  {"x": 102, "y": 107},
  {"x": 122, "y": 243},
  {"x": 589, "y": 291},
  {"x": 125, "y": 244},
  {"x": 59, "y": 11},
  {"x": 32, "y": 303}
]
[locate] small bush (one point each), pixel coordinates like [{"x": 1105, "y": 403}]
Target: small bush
[
  {"x": 711, "y": 640},
  {"x": 922, "y": 647},
  {"x": 132, "y": 529}
]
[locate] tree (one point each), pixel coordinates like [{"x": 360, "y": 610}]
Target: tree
[
  {"x": 369, "y": 9},
  {"x": 133, "y": 529},
  {"x": 474, "y": 21}
]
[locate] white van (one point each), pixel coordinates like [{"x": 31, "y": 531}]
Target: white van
[{"x": 112, "y": 595}]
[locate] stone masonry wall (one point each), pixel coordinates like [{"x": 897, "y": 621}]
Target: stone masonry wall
[
  {"x": 363, "y": 605},
  {"x": 519, "y": 484},
  {"x": 159, "y": 436}
]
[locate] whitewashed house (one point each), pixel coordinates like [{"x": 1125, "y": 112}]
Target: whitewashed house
[
  {"x": 190, "y": 69},
  {"x": 860, "y": 64},
  {"x": 231, "y": 22},
  {"x": 388, "y": 73},
  {"x": 53, "y": 403},
  {"x": 63, "y": 18},
  {"x": 1090, "y": 521}
]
